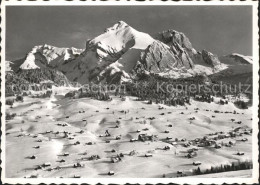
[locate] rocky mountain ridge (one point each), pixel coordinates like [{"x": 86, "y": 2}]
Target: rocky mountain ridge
[{"x": 122, "y": 53}]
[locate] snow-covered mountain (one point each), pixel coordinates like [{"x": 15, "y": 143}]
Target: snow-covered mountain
[
  {"x": 46, "y": 55},
  {"x": 120, "y": 38},
  {"x": 236, "y": 58},
  {"x": 122, "y": 53}
]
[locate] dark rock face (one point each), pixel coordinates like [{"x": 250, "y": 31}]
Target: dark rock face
[
  {"x": 172, "y": 38},
  {"x": 112, "y": 55},
  {"x": 179, "y": 41},
  {"x": 210, "y": 59},
  {"x": 159, "y": 57}
]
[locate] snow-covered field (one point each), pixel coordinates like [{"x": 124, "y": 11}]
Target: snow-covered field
[
  {"x": 237, "y": 174},
  {"x": 38, "y": 130}
]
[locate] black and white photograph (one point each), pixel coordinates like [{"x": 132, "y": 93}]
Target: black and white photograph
[{"x": 142, "y": 92}]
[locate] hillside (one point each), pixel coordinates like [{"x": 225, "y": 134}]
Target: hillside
[
  {"x": 85, "y": 121},
  {"x": 33, "y": 79}
]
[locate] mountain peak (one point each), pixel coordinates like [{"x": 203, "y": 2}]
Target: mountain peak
[
  {"x": 121, "y": 23},
  {"x": 117, "y": 26},
  {"x": 119, "y": 38}
]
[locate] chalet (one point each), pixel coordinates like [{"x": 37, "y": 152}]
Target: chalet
[
  {"x": 111, "y": 173},
  {"x": 221, "y": 136},
  {"x": 115, "y": 159},
  {"x": 77, "y": 165},
  {"x": 81, "y": 131},
  {"x": 217, "y": 146},
  {"x": 94, "y": 157},
  {"x": 191, "y": 155},
  {"x": 196, "y": 163},
  {"x": 145, "y": 137},
  {"x": 205, "y": 143},
  {"x": 232, "y": 134},
  {"x": 32, "y": 157},
  {"x": 244, "y": 139},
  {"x": 133, "y": 140},
  {"x": 228, "y": 145},
  {"x": 227, "y": 136},
  {"x": 46, "y": 164},
  {"x": 192, "y": 150},
  {"x": 148, "y": 155}
]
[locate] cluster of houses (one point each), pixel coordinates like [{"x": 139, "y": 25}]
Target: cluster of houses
[{"x": 211, "y": 140}]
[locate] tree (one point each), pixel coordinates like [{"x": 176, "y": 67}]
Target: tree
[
  {"x": 9, "y": 102},
  {"x": 197, "y": 171},
  {"x": 19, "y": 98}
]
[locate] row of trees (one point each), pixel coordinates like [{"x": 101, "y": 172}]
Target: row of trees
[
  {"x": 241, "y": 104},
  {"x": 234, "y": 166},
  {"x": 179, "y": 91},
  {"x": 42, "y": 74},
  {"x": 167, "y": 91},
  {"x": 33, "y": 79}
]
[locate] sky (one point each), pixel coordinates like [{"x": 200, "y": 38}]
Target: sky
[{"x": 219, "y": 29}]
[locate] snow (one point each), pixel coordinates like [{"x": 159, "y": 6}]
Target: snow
[
  {"x": 122, "y": 36},
  {"x": 231, "y": 174},
  {"x": 29, "y": 62},
  {"x": 198, "y": 69},
  {"x": 118, "y": 38},
  {"x": 125, "y": 64},
  {"x": 236, "y": 59},
  {"x": 53, "y": 56},
  {"x": 247, "y": 58},
  {"x": 162, "y": 162}
]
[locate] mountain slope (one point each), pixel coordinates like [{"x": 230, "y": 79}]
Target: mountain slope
[
  {"x": 120, "y": 38},
  {"x": 45, "y": 55},
  {"x": 235, "y": 58},
  {"x": 122, "y": 53}
]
